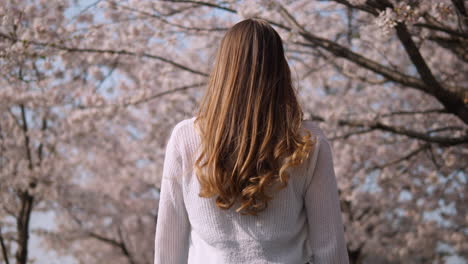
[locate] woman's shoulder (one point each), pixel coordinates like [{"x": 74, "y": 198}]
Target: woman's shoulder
[
  {"x": 183, "y": 127},
  {"x": 185, "y": 135},
  {"x": 182, "y": 124},
  {"x": 323, "y": 144},
  {"x": 314, "y": 128}
]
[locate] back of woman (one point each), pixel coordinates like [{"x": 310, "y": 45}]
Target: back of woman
[{"x": 246, "y": 180}]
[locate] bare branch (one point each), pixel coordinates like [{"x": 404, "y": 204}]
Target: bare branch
[
  {"x": 441, "y": 129},
  {"x": 433, "y": 158},
  {"x": 178, "y": 89},
  {"x": 369, "y": 126},
  {"x": 203, "y": 3},
  {"x": 120, "y": 52},
  {"x": 347, "y": 135},
  {"x": 455, "y": 45},
  {"x": 26, "y": 137},
  {"x": 377, "y": 125},
  {"x": 124, "y": 248},
  {"x": 118, "y": 244},
  {"x": 106, "y": 240},
  {"x": 364, "y": 7},
  {"x": 84, "y": 10},
  {"x": 146, "y": 99},
  {"x": 26, "y": 200},
  {"x": 161, "y": 18},
  {"x": 4, "y": 249},
  {"x": 429, "y": 111},
  {"x": 461, "y": 11},
  {"x": 22, "y": 224},
  {"x": 405, "y": 157},
  {"x": 442, "y": 29}
]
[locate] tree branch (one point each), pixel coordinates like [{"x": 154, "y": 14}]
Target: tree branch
[
  {"x": 364, "y": 7},
  {"x": 461, "y": 10},
  {"x": 455, "y": 45},
  {"x": 347, "y": 135},
  {"x": 442, "y": 29},
  {"x": 27, "y": 200},
  {"x": 4, "y": 249},
  {"x": 454, "y": 102},
  {"x": 165, "y": 21},
  {"x": 369, "y": 126},
  {"x": 124, "y": 246},
  {"x": 405, "y": 157},
  {"x": 109, "y": 51},
  {"x": 450, "y": 100},
  {"x": 118, "y": 244},
  {"x": 104, "y": 239},
  {"x": 154, "y": 96},
  {"x": 203, "y": 3},
  {"x": 22, "y": 224},
  {"x": 377, "y": 125},
  {"x": 26, "y": 137},
  {"x": 428, "y": 111},
  {"x": 433, "y": 158}
]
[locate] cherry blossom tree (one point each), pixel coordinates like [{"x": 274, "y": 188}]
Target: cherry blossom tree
[{"x": 91, "y": 89}]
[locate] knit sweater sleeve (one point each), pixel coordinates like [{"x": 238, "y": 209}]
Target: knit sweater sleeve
[
  {"x": 172, "y": 226},
  {"x": 321, "y": 199}
]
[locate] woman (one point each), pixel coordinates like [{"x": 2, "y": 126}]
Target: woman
[{"x": 247, "y": 180}]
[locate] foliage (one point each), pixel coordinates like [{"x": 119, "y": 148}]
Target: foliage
[{"x": 89, "y": 93}]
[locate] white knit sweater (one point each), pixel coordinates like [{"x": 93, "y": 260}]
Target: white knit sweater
[{"x": 302, "y": 223}]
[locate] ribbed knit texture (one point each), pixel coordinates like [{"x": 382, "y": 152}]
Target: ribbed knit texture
[{"x": 301, "y": 224}]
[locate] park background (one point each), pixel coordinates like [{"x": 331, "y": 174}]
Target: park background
[{"x": 90, "y": 91}]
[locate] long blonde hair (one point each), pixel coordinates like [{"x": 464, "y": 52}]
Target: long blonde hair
[{"x": 249, "y": 120}]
